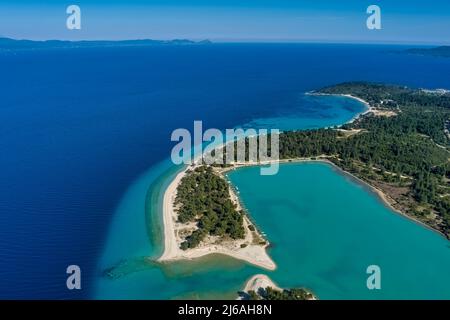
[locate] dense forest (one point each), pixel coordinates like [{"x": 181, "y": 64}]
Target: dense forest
[
  {"x": 203, "y": 197},
  {"x": 273, "y": 294}
]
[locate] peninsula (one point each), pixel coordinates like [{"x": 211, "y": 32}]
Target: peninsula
[{"x": 202, "y": 215}]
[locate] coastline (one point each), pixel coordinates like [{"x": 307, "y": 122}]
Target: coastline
[
  {"x": 259, "y": 281},
  {"x": 382, "y": 197},
  {"x": 257, "y": 254},
  {"x": 385, "y": 199},
  {"x": 369, "y": 108}
]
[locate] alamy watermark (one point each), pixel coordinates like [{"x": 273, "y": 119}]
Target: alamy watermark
[
  {"x": 233, "y": 146},
  {"x": 374, "y": 20},
  {"x": 73, "y": 21},
  {"x": 74, "y": 279},
  {"x": 374, "y": 280}
]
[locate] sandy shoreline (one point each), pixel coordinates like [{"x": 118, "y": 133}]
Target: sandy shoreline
[
  {"x": 170, "y": 245},
  {"x": 369, "y": 108},
  {"x": 259, "y": 281},
  {"x": 384, "y": 198}
]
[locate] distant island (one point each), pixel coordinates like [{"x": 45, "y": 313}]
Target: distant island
[
  {"x": 442, "y": 51},
  {"x": 13, "y": 44}
]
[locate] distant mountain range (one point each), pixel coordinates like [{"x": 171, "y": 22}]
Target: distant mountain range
[
  {"x": 442, "y": 51},
  {"x": 9, "y": 44}
]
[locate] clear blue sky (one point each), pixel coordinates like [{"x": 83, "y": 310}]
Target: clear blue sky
[{"x": 403, "y": 21}]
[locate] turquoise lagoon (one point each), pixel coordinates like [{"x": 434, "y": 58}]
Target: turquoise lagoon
[{"x": 324, "y": 228}]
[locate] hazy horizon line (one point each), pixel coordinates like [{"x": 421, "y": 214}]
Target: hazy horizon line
[{"x": 249, "y": 41}]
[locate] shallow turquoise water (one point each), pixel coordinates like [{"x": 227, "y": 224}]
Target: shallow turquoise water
[
  {"x": 135, "y": 240},
  {"x": 315, "y": 112},
  {"x": 135, "y": 234},
  {"x": 326, "y": 229}
]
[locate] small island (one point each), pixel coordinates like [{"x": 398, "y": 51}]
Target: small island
[
  {"x": 441, "y": 51},
  {"x": 15, "y": 44},
  {"x": 261, "y": 287}
]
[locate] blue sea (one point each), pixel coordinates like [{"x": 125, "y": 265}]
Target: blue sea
[{"x": 86, "y": 132}]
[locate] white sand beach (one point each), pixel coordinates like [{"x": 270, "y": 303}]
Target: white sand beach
[
  {"x": 259, "y": 281},
  {"x": 262, "y": 282},
  {"x": 380, "y": 112}
]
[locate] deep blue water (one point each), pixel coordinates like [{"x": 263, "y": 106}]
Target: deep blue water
[{"x": 79, "y": 125}]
